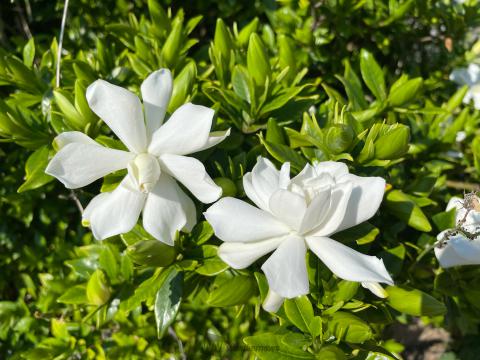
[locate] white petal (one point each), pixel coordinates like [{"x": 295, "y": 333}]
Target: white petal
[
  {"x": 284, "y": 176},
  {"x": 474, "y": 72},
  {"x": 122, "y": 112},
  {"x": 265, "y": 181},
  {"x": 115, "y": 212},
  {"x": 168, "y": 210},
  {"x": 455, "y": 202},
  {"x": 471, "y": 221},
  {"x": 376, "y": 289},
  {"x": 317, "y": 211},
  {"x": 462, "y": 77},
  {"x": 366, "y": 198},
  {"x": 458, "y": 251},
  {"x": 447, "y": 257},
  {"x": 286, "y": 268},
  {"x": 185, "y": 132},
  {"x": 214, "y": 138},
  {"x": 347, "y": 263},
  {"x": 308, "y": 172},
  {"x": 272, "y": 302},
  {"x": 339, "y": 200},
  {"x": 79, "y": 164},
  {"x": 466, "y": 248},
  {"x": 335, "y": 169},
  {"x": 288, "y": 207},
  {"x": 93, "y": 205},
  {"x": 68, "y": 137},
  {"x": 156, "y": 92},
  {"x": 455, "y": 250},
  {"x": 237, "y": 221},
  {"x": 241, "y": 255},
  {"x": 191, "y": 173},
  {"x": 250, "y": 190},
  {"x": 475, "y": 95}
]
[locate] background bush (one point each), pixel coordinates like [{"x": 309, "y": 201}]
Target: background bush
[{"x": 365, "y": 82}]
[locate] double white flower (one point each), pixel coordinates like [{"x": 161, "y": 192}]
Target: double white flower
[
  {"x": 154, "y": 160},
  {"x": 454, "y": 248},
  {"x": 294, "y": 214}
]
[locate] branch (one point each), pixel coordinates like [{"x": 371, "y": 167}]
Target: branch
[
  {"x": 60, "y": 44},
  {"x": 459, "y": 185},
  {"x": 172, "y": 333}
]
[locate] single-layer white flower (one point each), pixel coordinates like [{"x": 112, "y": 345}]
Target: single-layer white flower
[
  {"x": 469, "y": 76},
  {"x": 454, "y": 247},
  {"x": 293, "y": 215},
  {"x": 155, "y": 158}
]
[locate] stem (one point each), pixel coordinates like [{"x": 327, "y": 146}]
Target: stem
[
  {"x": 23, "y": 22},
  {"x": 74, "y": 197},
  {"x": 172, "y": 333},
  {"x": 459, "y": 185},
  {"x": 60, "y": 43}
]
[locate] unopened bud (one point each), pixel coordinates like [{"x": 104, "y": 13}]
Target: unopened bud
[{"x": 393, "y": 144}]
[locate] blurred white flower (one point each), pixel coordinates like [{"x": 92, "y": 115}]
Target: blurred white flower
[
  {"x": 471, "y": 77},
  {"x": 293, "y": 215},
  {"x": 155, "y": 158},
  {"x": 461, "y": 246},
  {"x": 461, "y": 135}
]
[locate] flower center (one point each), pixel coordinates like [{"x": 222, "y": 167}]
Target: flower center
[
  {"x": 309, "y": 188},
  {"x": 145, "y": 170}
]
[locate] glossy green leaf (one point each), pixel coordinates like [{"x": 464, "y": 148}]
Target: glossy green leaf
[
  {"x": 372, "y": 74},
  {"x": 348, "y": 327},
  {"x": 400, "y": 205},
  {"x": 168, "y": 299},
  {"x": 257, "y": 60},
  {"x": 300, "y": 312},
  {"x": 98, "y": 290},
  {"x": 75, "y": 295},
  {"x": 414, "y": 302},
  {"x": 35, "y": 176},
  {"x": 29, "y": 53},
  {"x": 230, "y": 291}
]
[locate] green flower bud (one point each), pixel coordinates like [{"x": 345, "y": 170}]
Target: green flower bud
[
  {"x": 223, "y": 40},
  {"x": 408, "y": 91},
  {"x": 98, "y": 291},
  {"x": 413, "y": 302},
  {"x": 173, "y": 45},
  {"x": 257, "y": 60},
  {"x": 151, "y": 253},
  {"x": 338, "y": 138},
  {"x": 182, "y": 86},
  {"x": 287, "y": 56},
  {"x": 393, "y": 144},
  {"x": 70, "y": 113},
  {"x": 227, "y": 185},
  {"x": 247, "y": 30}
]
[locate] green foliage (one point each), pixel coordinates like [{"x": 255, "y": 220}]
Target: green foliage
[{"x": 363, "y": 82}]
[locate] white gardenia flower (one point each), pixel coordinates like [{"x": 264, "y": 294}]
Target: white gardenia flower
[
  {"x": 471, "y": 77},
  {"x": 155, "y": 159},
  {"x": 293, "y": 215},
  {"x": 454, "y": 248}
]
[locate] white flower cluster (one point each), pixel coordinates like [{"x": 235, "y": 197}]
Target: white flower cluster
[{"x": 291, "y": 214}]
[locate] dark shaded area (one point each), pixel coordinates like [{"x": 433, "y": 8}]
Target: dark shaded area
[{"x": 422, "y": 342}]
